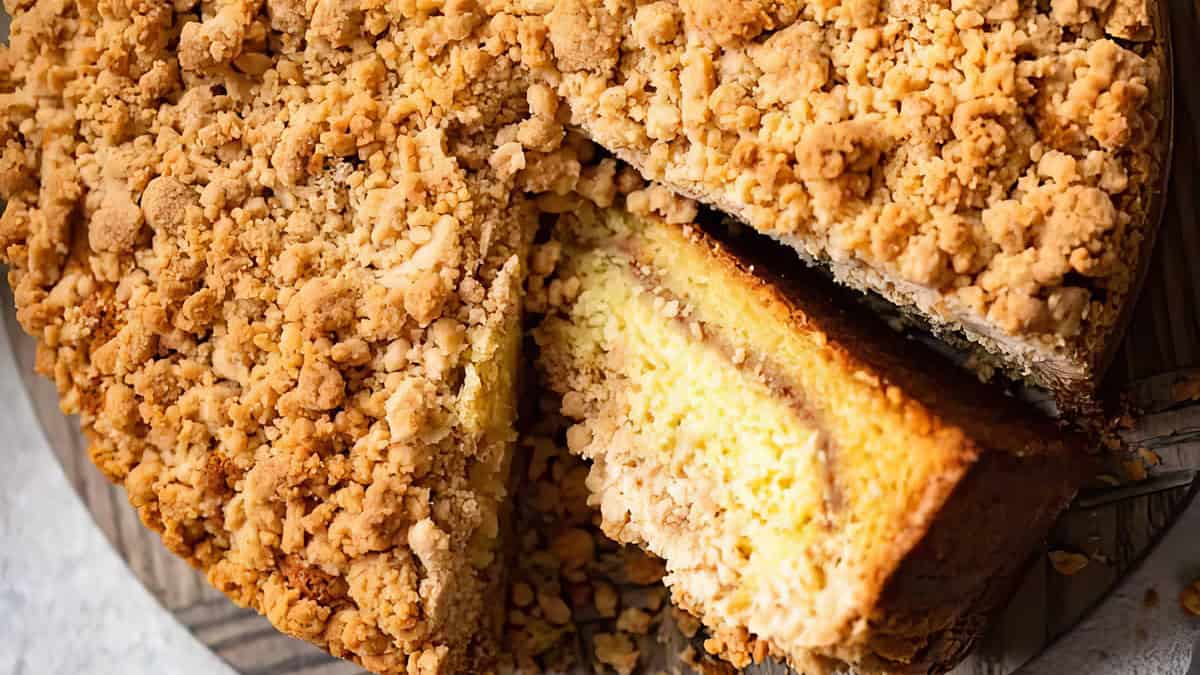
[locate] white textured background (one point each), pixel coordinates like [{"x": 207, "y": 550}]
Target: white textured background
[{"x": 68, "y": 604}]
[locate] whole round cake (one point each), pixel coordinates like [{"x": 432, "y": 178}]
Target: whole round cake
[{"x": 277, "y": 256}]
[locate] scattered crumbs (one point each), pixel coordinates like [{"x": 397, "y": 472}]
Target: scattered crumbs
[
  {"x": 1190, "y": 598},
  {"x": 606, "y": 599},
  {"x": 644, "y": 569},
  {"x": 1111, "y": 442},
  {"x": 688, "y": 625},
  {"x": 689, "y": 656},
  {"x": 634, "y": 620},
  {"x": 578, "y": 598},
  {"x": 1134, "y": 469},
  {"x": 616, "y": 650},
  {"x": 1150, "y": 600},
  {"x": 1187, "y": 389},
  {"x": 1067, "y": 563}
]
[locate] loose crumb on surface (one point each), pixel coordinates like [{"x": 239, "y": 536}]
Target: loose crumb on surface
[
  {"x": 1068, "y": 563},
  {"x": 1190, "y": 598},
  {"x": 578, "y": 597}
]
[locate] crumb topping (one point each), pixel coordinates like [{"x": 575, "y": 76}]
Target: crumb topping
[
  {"x": 272, "y": 252},
  {"x": 996, "y": 153},
  {"x": 1068, "y": 563}
]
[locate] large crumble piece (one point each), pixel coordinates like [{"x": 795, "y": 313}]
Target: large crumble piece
[
  {"x": 272, "y": 253},
  {"x": 986, "y": 164}
]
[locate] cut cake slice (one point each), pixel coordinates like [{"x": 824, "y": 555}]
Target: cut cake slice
[
  {"x": 811, "y": 479},
  {"x": 990, "y": 169}
]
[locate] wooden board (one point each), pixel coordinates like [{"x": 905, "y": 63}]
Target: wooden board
[{"x": 1162, "y": 344}]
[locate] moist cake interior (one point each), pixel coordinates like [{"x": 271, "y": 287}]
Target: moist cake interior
[{"x": 783, "y": 478}]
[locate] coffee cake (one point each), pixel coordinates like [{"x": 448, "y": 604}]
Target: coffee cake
[
  {"x": 986, "y": 165},
  {"x": 829, "y": 493},
  {"x": 273, "y": 254}
]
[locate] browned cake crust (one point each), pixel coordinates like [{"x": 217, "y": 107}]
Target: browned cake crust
[
  {"x": 970, "y": 553},
  {"x": 935, "y": 606},
  {"x": 939, "y": 600},
  {"x": 993, "y": 168},
  {"x": 1006, "y": 474}
]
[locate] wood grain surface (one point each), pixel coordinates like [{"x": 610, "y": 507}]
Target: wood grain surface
[{"x": 1159, "y": 365}]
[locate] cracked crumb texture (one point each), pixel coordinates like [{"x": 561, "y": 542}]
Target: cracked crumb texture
[
  {"x": 272, "y": 253},
  {"x": 987, "y": 161}
]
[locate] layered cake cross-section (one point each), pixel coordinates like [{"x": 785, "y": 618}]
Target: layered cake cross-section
[
  {"x": 813, "y": 482},
  {"x": 988, "y": 167}
]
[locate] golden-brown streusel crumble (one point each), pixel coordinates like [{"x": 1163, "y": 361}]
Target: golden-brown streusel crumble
[
  {"x": 995, "y": 153},
  {"x": 272, "y": 253}
]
